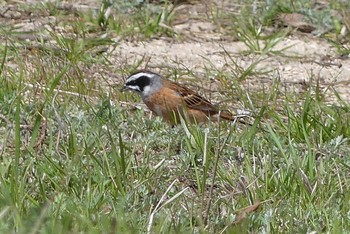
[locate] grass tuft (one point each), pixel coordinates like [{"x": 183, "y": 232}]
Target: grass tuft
[{"x": 78, "y": 156}]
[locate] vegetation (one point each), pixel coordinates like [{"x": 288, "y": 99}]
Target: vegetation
[{"x": 76, "y": 156}]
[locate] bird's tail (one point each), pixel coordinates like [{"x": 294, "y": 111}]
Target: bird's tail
[{"x": 239, "y": 116}]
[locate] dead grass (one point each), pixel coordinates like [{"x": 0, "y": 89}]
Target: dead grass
[{"x": 79, "y": 156}]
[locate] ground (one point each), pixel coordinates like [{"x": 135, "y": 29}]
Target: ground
[
  {"x": 200, "y": 45},
  {"x": 77, "y": 155}
]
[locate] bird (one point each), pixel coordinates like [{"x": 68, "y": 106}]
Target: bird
[{"x": 173, "y": 101}]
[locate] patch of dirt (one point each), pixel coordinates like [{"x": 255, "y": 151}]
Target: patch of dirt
[{"x": 307, "y": 59}]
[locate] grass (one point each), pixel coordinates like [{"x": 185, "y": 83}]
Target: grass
[{"x": 77, "y": 157}]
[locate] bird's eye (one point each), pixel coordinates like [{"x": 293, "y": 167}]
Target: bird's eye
[
  {"x": 141, "y": 82},
  {"x": 131, "y": 83}
]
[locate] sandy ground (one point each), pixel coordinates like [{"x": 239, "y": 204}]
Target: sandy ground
[
  {"x": 308, "y": 58},
  {"x": 313, "y": 59},
  {"x": 306, "y": 61}
]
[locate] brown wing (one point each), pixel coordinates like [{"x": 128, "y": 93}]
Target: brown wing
[{"x": 194, "y": 100}]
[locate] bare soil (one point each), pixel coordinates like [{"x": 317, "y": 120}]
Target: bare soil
[{"x": 199, "y": 45}]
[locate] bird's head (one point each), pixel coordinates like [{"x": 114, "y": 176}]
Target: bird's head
[{"x": 143, "y": 82}]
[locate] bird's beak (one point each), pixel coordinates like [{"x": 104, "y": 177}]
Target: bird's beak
[{"x": 124, "y": 88}]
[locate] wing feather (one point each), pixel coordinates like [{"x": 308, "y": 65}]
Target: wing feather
[{"x": 193, "y": 100}]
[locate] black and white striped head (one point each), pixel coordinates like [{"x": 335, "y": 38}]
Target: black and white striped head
[{"x": 143, "y": 82}]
